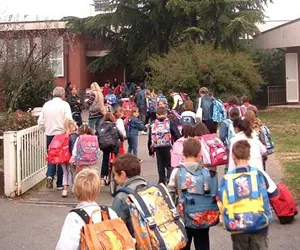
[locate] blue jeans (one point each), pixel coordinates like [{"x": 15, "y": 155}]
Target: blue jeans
[
  {"x": 132, "y": 144},
  {"x": 94, "y": 121},
  {"x": 51, "y": 168}
]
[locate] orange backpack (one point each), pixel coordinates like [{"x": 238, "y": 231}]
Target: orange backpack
[{"x": 109, "y": 234}]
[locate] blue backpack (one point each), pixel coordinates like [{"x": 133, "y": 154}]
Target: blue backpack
[
  {"x": 196, "y": 204},
  {"x": 230, "y": 132},
  {"x": 219, "y": 113},
  {"x": 111, "y": 99},
  {"x": 152, "y": 105}
]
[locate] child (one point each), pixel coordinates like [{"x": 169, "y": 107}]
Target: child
[
  {"x": 119, "y": 114},
  {"x": 247, "y": 235},
  {"x": 201, "y": 129},
  {"x": 188, "y": 115},
  {"x": 245, "y": 103},
  {"x": 134, "y": 126},
  {"x": 160, "y": 135},
  {"x": 196, "y": 190},
  {"x": 68, "y": 169},
  {"x": 109, "y": 138},
  {"x": 111, "y": 99},
  {"x": 234, "y": 103},
  {"x": 127, "y": 170},
  {"x": 86, "y": 151},
  {"x": 86, "y": 188}
]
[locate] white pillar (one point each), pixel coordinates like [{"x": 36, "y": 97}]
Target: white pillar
[{"x": 10, "y": 163}]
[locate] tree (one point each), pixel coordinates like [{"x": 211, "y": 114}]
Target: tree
[
  {"x": 190, "y": 66},
  {"x": 27, "y": 68},
  {"x": 138, "y": 29}
]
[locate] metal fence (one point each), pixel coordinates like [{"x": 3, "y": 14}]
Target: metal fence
[
  {"x": 24, "y": 159},
  {"x": 276, "y": 95}
]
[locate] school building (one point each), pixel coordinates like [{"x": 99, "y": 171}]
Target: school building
[
  {"x": 72, "y": 54},
  {"x": 287, "y": 38}
]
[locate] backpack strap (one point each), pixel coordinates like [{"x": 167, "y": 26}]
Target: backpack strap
[
  {"x": 82, "y": 214},
  {"x": 105, "y": 213}
]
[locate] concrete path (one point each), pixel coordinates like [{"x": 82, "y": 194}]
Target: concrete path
[{"x": 35, "y": 220}]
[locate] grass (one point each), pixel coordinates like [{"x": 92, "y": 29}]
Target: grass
[{"x": 284, "y": 125}]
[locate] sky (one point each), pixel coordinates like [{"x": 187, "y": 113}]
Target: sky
[{"x": 56, "y": 9}]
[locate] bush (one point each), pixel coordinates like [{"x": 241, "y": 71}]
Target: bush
[
  {"x": 189, "y": 67},
  {"x": 16, "y": 121}
]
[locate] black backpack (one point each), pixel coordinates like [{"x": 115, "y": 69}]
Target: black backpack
[{"x": 107, "y": 134}]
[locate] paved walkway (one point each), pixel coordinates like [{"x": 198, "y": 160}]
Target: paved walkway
[{"x": 35, "y": 220}]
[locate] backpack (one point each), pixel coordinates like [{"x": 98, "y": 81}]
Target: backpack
[
  {"x": 108, "y": 234},
  {"x": 213, "y": 151},
  {"x": 58, "y": 150},
  {"x": 268, "y": 141},
  {"x": 107, "y": 135},
  {"x": 152, "y": 105},
  {"x": 177, "y": 157},
  {"x": 184, "y": 96},
  {"x": 155, "y": 220},
  {"x": 218, "y": 111},
  {"x": 111, "y": 99},
  {"x": 127, "y": 106},
  {"x": 241, "y": 111},
  {"x": 197, "y": 205},
  {"x": 230, "y": 132},
  {"x": 161, "y": 133},
  {"x": 87, "y": 150},
  {"x": 284, "y": 204},
  {"x": 187, "y": 120},
  {"x": 244, "y": 202}
]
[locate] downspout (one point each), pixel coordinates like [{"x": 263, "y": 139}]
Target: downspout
[{"x": 67, "y": 63}]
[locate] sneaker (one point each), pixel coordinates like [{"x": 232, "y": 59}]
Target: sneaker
[
  {"x": 144, "y": 133},
  {"x": 59, "y": 188},
  {"x": 140, "y": 160},
  {"x": 49, "y": 182},
  {"x": 102, "y": 182},
  {"x": 64, "y": 193}
]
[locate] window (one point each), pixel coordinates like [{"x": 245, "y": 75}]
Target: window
[
  {"x": 20, "y": 47},
  {"x": 57, "y": 58}
]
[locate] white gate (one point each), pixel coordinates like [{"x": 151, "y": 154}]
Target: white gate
[{"x": 24, "y": 159}]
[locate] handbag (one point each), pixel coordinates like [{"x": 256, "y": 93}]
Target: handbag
[{"x": 199, "y": 110}]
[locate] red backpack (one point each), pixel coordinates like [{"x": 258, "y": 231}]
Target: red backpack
[
  {"x": 284, "y": 204},
  {"x": 127, "y": 106},
  {"x": 213, "y": 151},
  {"x": 58, "y": 151}
]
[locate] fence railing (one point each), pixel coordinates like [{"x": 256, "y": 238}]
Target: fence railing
[
  {"x": 276, "y": 95},
  {"x": 24, "y": 159}
]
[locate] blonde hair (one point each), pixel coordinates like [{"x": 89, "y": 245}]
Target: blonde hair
[
  {"x": 87, "y": 185},
  {"x": 68, "y": 123},
  {"x": 95, "y": 88}
]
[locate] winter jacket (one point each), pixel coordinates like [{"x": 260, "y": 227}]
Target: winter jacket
[
  {"x": 134, "y": 127},
  {"x": 119, "y": 203},
  {"x": 74, "y": 102},
  {"x": 96, "y": 99}
]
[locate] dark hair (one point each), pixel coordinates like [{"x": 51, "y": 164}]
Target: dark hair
[
  {"x": 245, "y": 99},
  {"x": 201, "y": 129},
  {"x": 241, "y": 150},
  {"x": 233, "y": 101},
  {"x": 109, "y": 117},
  {"x": 128, "y": 163},
  {"x": 243, "y": 125},
  {"x": 188, "y": 131},
  {"x": 188, "y": 106},
  {"x": 234, "y": 113},
  {"x": 161, "y": 111},
  {"x": 191, "y": 147},
  {"x": 85, "y": 129}
]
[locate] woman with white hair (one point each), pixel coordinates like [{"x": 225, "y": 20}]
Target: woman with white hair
[{"x": 96, "y": 106}]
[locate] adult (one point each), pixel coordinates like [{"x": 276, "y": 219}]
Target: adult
[
  {"x": 96, "y": 106},
  {"x": 142, "y": 104},
  {"x": 106, "y": 88},
  {"x": 52, "y": 118},
  {"x": 115, "y": 83},
  {"x": 177, "y": 101},
  {"x": 206, "y": 105},
  {"x": 244, "y": 131},
  {"x": 75, "y": 104}
]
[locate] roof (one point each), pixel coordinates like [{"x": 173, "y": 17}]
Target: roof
[
  {"x": 33, "y": 25},
  {"x": 282, "y": 25}
]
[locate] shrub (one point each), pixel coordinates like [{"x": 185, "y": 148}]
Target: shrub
[{"x": 189, "y": 67}]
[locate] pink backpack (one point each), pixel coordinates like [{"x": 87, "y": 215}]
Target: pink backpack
[
  {"x": 87, "y": 150},
  {"x": 177, "y": 157},
  {"x": 213, "y": 151}
]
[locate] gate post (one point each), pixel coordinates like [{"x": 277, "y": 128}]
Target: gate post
[{"x": 10, "y": 163}]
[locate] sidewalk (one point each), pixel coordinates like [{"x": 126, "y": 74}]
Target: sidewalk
[{"x": 34, "y": 222}]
